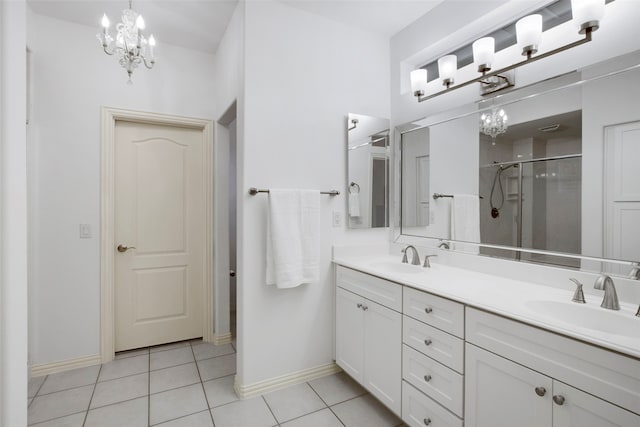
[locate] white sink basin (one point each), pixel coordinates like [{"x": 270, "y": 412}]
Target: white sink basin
[
  {"x": 587, "y": 316},
  {"x": 397, "y": 267}
]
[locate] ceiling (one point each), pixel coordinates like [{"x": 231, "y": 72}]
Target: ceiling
[{"x": 200, "y": 24}]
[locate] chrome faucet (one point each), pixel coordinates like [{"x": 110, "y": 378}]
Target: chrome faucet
[
  {"x": 610, "y": 300},
  {"x": 415, "y": 258},
  {"x": 443, "y": 244},
  {"x": 427, "y": 264}
]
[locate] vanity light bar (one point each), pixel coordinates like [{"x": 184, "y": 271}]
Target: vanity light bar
[{"x": 529, "y": 35}]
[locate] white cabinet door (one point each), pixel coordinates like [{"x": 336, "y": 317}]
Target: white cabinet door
[
  {"x": 575, "y": 408},
  {"x": 500, "y": 393},
  {"x": 383, "y": 354},
  {"x": 350, "y": 333}
]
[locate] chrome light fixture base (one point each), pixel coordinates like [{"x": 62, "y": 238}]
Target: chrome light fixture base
[
  {"x": 589, "y": 26},
  {"x": 497, "y": 83}
]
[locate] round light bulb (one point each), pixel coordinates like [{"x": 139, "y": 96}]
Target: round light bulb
[
  {"x": 419, "y": 81},
  {"x": 447, "y": 67},
  {"x": 483, "y": 52},
  {"x": 587, "y": 14},
  {"x": 140, "y": 22},
  {"x": 529, "y": 34}
]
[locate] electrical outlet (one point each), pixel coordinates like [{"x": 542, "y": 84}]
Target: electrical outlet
[
  {"x": 85, "y": 231},
  {"x": 337, "y": 219}
]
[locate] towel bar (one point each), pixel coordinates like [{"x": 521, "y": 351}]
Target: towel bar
[{"x": 253, "y": 191}]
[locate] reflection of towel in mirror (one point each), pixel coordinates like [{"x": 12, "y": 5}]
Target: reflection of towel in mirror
[
  {"x": 354, "y": 204},
  {"x": 465, "y": 218},
  {"x": 293, "y": 237}
]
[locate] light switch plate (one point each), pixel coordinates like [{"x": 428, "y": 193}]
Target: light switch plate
[{"x": 85, "y": 231}]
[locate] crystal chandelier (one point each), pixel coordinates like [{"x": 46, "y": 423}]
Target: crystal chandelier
[
  {"x": 130, "y": 46},
  {"x": 494, "y": 124}
]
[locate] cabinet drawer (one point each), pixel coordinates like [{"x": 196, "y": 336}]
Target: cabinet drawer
[
  {"x": 440, "y": 383},
  {"x": 373, "y": 288},
  {"x": 439, "y": 312},
  {"x": 608, "y": 375},
  {"x": 418, "y": 410},
  {"x": 438, "y": 345}
]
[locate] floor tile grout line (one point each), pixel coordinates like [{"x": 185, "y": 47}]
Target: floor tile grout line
[
  {"x": 328, "y": 407},
  {"x": 304, "y": 415},
  {"x": 95, "y": 385},
  {"x": 206, "y": 398},
  {"x": 56, "y": 418},
  {"x": 178, "y": 418},
  {"x": 270, "y": 410},
  {"x": 64, "y": 389},
  {"x": 40, "y": 387}
]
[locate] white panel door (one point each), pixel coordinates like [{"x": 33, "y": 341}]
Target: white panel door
[
  {"x": 622, "y": 194},
  {"x": 350, "y": 333},
  {"x": 575, "y": 408},
  {"x": 501, "y": 393},
  {"x": 383, "y": 354},
  {"x": 159, "y": 217}
]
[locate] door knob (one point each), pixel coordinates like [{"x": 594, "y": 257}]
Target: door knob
[{"x": 122, "y": 248}]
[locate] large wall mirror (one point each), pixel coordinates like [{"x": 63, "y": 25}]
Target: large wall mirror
[
  {"x": 368, "y": 174},
  {"x": 561, "y": 181}
]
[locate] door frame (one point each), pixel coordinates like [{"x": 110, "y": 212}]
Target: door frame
[{"x": 109, "y": 116}]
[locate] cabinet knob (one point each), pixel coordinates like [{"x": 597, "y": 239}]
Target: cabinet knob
[
  {"x": 428, "y": 310},
  {"x": 428, "y": 342},
  {"x": 558, "y": 399},
  {"x": 427, "y": 378},
  {"x": 541, "y": 391},
  {"x": 427, "y": 421}
]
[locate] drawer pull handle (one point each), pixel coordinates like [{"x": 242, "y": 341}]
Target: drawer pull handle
[
  {"x": 359, "y": 305},
  {"x": 427, "y": 421},
  {"x": 427, "y": 378},
  {"x": 428, "y": 310},
  {"x": 365, "y": 308},
  {"x": 541, "y": 391},
  {"x": 558, "y": 399},
  {"x": 428, "y": 342}
]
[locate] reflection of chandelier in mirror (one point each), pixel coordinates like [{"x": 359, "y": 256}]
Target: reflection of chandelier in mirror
[
  {"x": 494, "y": 123},
  {"x": 130, "y": 45}
]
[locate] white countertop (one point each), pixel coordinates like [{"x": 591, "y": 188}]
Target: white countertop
[{"x": 538, "y": 305}]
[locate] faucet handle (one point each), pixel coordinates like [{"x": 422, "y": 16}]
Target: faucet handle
[
  {"x": 404, "y": 257},
  {"x": 578, "y": 295},
  {"x": 427, "y": 264},
  {"x": 638, "y": 312}
]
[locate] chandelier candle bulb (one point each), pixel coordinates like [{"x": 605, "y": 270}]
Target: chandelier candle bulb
[
  {"x": 152, "y": 44},
  {"x": 483, "y": 52},
  {"x": 529, "y": 34},
  {"x": 419, "y": 81},
  {"x": 447, "y": 67},
  {"x": 587, "y": 14}
]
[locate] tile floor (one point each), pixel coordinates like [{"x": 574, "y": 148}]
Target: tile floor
[{"x": 191, "y": 384}]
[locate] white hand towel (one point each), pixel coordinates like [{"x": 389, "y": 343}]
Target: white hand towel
[
  {"x": 354, "y": 205},
  {"x": 293, "y": 237},
  {"x": 465, "y": 218}
]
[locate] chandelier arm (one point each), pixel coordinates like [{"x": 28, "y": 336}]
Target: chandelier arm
[
  {"x": 148, "y": 64},
  {"x": 587, "y": 38},
  {"x": 105, "y": 47}
]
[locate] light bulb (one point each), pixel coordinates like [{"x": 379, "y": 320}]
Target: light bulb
[
  {"x": 529, "y": 34},
  {"x": 483, "y": 53},
  {"x": 447, "y": 67},
  {"x": 152, "y": 40},
  {"x": 419, "y": 81},
  {"x": 140, "y": 22},
  {"x": 587, "y": 14},
  {"x": 105, "y": 21}
]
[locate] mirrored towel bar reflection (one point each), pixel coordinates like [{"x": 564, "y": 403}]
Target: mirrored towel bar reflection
[
  {"x": 437, "y": 196},
  {"x": 253, "y": 191}
]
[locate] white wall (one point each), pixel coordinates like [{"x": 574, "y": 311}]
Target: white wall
[
  {"x": 303, "y": 74},
  {"x": 13, "y": 216},
  {"x": 72, "y": 79}
]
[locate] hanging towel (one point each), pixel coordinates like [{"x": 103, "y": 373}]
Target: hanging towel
[
  {"x": 293, "y": 237},
  {"x": 354, "y": 205},
  {"x": 465, "y": 218}
]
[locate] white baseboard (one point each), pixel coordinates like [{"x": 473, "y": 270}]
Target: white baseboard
[
  {"x": 64, "y": 365},
  {"x": 219, "y": 339},
  {"x": 249, "y": 390}
]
